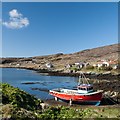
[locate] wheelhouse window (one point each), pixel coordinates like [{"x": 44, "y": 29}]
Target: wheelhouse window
[
  {"x": 90, "y": 88},
  {"x": 82, "y": 88}
]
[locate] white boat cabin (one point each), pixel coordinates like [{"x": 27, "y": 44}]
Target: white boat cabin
[{"x": 85, "y": 88}]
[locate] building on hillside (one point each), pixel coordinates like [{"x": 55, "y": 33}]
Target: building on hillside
[
  {"x": 113, "y": 64},
  {"x": 49, "y": 65},
  {"x": 86, "y": 64},
  {"x": 101, "y": 64},
  {"x": 79, "y": 65},
  {"x": 68, "y": 66}
]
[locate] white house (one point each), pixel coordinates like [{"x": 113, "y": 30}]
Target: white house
[
  {"x": 79, "y": 65},
  {"x": 49, "y": 65},
  {"x": 68, "y": 66},
  {"x": 103, "y": 64},
  {"x": 114, "y": 64},
  {"x": 18, "y": 64},
  {"x": 86, "y": 64},
  {"x": 115, "y": 67}
]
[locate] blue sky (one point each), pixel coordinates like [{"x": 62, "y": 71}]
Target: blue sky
[{"x": 50, "y": 28}]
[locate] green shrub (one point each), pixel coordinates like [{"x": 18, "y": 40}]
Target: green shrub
[
  {"x": 74, "y": 68},
  {"x": 18, "y": 98},
  {"x": 89, "y": 67},
  {"x": 106, "y": 68}
]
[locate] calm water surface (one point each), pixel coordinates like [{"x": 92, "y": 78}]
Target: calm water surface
[{"x": 16, "y": 77}]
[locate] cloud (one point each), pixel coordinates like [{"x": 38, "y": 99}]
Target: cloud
[
  {"x": 14, "y": 13},
  {"x": 16, "y": 20}
]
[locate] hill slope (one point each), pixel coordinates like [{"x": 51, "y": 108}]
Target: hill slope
[{"x": 59, "y": 60}]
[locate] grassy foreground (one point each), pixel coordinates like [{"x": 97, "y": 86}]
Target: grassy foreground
[{"x": 19, "y": 105}]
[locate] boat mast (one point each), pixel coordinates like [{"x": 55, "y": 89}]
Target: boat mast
[{"x": 83, "y": 79}]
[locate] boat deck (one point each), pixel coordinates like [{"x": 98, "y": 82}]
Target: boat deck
[{"x": 74, "y": 91}]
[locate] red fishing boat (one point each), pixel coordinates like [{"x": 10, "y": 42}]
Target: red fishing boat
[{"x": 84, "y": 93}]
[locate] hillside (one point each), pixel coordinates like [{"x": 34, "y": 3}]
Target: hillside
[{"x": 60, "y": 60}]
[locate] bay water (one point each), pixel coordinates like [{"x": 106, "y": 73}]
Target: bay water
[{"x": 35, "y": 83}]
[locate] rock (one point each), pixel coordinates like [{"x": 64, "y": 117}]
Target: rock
[
  {"x": 44, "y": 105},
  {"x": 114, "y": 94}
]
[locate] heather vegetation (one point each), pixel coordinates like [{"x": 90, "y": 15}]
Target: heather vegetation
[{"x": 17, "y": 104}]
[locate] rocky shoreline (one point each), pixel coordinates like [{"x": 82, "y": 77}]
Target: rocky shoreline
[{"x": 90, "y": 75}]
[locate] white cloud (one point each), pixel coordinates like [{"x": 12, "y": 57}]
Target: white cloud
[
  {"x": 16, "y": 20},
  {"x": 14, "y": 13}
]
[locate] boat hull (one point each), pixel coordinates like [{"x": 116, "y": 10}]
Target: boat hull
[{"x": 91, "y": 98}]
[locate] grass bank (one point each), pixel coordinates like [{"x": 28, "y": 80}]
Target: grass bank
[{"x": 19, "y": 105}]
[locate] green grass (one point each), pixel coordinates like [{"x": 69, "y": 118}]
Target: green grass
[
  {"x": 67, "y": 112},
  {"x": 20, "y": 105},
  {"x": 18, "y": 98}
]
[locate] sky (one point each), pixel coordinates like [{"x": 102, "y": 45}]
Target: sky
[{"x": 43, "y": 28}]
